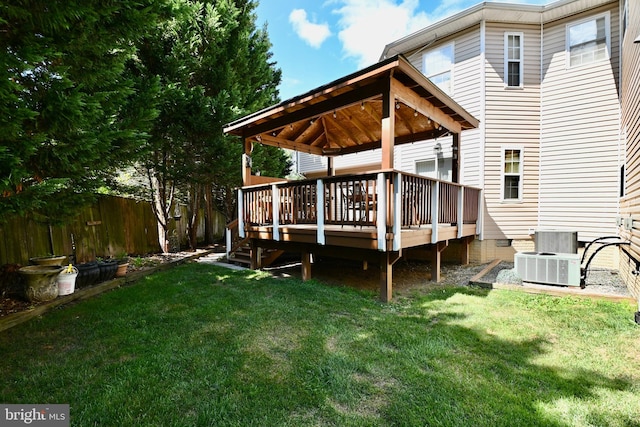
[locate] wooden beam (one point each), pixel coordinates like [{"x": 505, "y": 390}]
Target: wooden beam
[
  {"x": 285, "y": 143},
  {"x": 308, "y": 112},
  {"x": 357, "y": 123},
  {"x": 346, "y": 132},
  {"x": 399, "y": 140},
  {"x": 415, "y": 101}
]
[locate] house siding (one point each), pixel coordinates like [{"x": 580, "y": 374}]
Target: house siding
[
  {"x": 580, "y": 149},
  {"x": 512, "y": 118},
  {"x": 466, "y": 88},
  {"x": 630, "y": 203}
]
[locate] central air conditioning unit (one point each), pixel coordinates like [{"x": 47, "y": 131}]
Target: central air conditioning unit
[{"x": 548, "y": 268}]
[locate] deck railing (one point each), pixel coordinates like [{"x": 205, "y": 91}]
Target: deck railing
[{"x": 386, "y": 200}]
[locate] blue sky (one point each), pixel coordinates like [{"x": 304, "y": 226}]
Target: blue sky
[{"x": 316, "y": 42}]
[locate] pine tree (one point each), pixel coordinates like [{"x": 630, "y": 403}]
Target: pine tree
[{"x": 213, "y": 65}]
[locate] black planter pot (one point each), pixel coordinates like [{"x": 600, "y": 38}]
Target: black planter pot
[
  {"x": 107, "y": 270},
  {"x": 88, "y": 274}
]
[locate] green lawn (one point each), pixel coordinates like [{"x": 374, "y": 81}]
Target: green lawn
[{"x": 203, "y": 345}]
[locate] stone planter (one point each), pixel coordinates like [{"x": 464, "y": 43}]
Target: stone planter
[
  {"x": 40, "y": 282},
  {"x": 49, "y": 260}
]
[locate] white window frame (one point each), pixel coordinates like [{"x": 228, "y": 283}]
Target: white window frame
[
  {"x": 607, "y": 30},
  {"x": 450, "y": 70},
  {"x": 503, "y": 159},
  {"x": 507, "y": 60}
]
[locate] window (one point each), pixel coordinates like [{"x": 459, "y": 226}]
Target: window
[
  {"x": 588, "y": 41},
  {"x": 512, "y": 174},
  {"x": 437, "y": 65},
  {"x": 428, "y": 168},
  {"x": 625, "y": 16},
  {"x": 513, "y": 64}
]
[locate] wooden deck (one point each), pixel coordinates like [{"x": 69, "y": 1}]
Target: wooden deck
[{"x": 367, "y": 215}]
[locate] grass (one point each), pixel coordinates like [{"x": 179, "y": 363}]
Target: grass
[{"x": 200, "y": 345}]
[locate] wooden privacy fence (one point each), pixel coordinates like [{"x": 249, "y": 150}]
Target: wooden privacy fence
[{"x": 112, "y": 226}]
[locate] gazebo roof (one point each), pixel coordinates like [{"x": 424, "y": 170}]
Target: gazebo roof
[{"x": 345, "y": 115}]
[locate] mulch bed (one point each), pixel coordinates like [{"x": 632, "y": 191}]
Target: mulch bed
[{"x": 11, "y": 301}]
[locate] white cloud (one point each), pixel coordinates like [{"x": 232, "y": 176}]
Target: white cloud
[
  {"x": 368, "y": 25},
  {"x": 313, "y": 34}
]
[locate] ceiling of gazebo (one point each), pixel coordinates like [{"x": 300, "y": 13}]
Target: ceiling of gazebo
[{"x": 345, "y": 116}]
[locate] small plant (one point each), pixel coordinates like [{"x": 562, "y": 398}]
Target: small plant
[{"x": 122, "y": 257}]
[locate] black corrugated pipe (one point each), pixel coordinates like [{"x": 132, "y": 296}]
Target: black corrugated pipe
[{"x": 585, "y": 270}]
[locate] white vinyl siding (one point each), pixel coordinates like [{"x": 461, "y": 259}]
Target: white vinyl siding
[
  {"x": 468, "y": 94},
  {"x": 511, "y": 116},
  {"x": 588, "y": 40},
  {"x": 580, "y": 148},
  {"x": 513, "y": 61}
]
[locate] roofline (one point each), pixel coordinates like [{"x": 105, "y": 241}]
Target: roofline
[
  {"x": 485, "y": 11},
  {"x": 299, "y": 99},
  {"x": 398, "y": 61}
]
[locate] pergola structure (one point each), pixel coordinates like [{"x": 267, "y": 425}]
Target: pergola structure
[{"x": 387, "y": 104}]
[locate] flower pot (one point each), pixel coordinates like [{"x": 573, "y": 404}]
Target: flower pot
[
  {"x": 41, "y": 284},
  {"x": 49, "y": 260},
  {"x": 122, "y": 269},
  {"x": 107, "y": 270},
  {"x": 67, "y": 280},
  {"x": 88, "y": 274}
]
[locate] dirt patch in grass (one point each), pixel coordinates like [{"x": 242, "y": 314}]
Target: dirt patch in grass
[{"x": 408, "y": 275}]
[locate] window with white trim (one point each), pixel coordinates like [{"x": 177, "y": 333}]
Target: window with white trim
[
  {"x": 513, "y": 61},
  {"x": 437, "y": 65},
  {"x": 588, "y": 40},
  {"x": 512, "y": 174}
]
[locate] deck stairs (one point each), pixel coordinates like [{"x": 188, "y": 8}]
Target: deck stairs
[{"x": 240, "y": 252}]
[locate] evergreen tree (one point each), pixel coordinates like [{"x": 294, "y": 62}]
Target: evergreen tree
[
  {"x": 213, "y": 66},
  {"x": 70, "y": 112}
]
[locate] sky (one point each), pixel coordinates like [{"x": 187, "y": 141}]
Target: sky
[{"x": 318, "y": 41}]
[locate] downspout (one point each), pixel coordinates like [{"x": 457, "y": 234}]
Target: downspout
[
  {"x": 540, "y": 119},
  {"x": 483, "y": 118}
]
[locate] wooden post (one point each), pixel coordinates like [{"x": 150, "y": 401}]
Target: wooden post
[
  {"x": 331, "y": 171},
  {"x": 465, "y": 249},
  {"x": 436, "y": 255},
  {"x": 246, "y": 163},
  {"x": 455, "y": 164},
  {"x": 388, "y": 127},
  {"x": 386, "y": 277},
  {"x": 306, "y": 266},
  {"x": 256, "y": 256}
]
